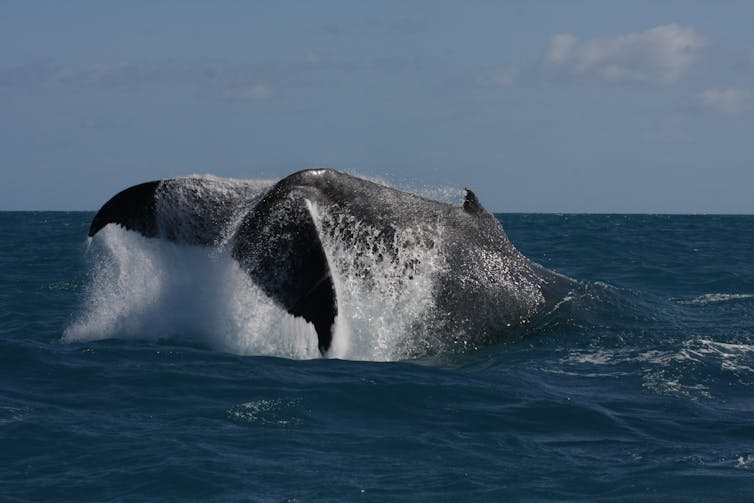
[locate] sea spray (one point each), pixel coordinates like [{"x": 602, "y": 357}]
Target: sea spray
[
  {"x": 154, "y": 289},
  {"x": 385, "y": 286},
  {"x": 146, "y": 288},
  {"x": 386, "y": 274}
]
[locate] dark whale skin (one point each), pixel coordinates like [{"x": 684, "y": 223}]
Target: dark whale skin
[{"x": 485, "y": 289}]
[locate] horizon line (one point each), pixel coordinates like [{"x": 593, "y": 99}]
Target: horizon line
[{"x": 513, "y": 212}]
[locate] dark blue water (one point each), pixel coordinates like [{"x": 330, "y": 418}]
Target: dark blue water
[{"x": 639, "y": 386}]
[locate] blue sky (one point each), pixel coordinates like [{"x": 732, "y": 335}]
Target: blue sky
[{"x": 582, "y": 106}]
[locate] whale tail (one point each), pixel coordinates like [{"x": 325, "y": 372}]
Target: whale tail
[
  {"x": 132, "y": 208},
  {"x": 279, "y": 246},
  {"x": 276, "y": 243}
]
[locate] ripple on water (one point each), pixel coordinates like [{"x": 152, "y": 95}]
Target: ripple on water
[{"x": 276, "y": 411}]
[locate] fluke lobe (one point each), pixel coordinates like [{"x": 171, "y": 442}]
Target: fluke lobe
[{"x": 318, "y": 234}]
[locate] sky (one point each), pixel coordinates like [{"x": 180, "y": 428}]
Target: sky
[{"x": 537, "y": 106}]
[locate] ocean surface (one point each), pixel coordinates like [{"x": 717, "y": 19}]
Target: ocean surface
[{"x": 119, "y": 383}]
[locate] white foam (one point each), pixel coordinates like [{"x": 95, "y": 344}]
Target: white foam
[
  {"x": 275, "y": 411},
  {"x": 712, "y": 298},
  {"x": 385, "y": 290},
  {"x": 442, "y": 193},
  {"x": 153, "y": 289},
  {"x": 746, "y": 461},
  {"x": 670, "y": 371},
  {"x": 206, "y": 207},
  {"x": 142, "y": 288},
  {"x": 696, "y": 350}
]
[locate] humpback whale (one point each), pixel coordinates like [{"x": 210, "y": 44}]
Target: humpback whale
[{"x": 309, "y": 238}]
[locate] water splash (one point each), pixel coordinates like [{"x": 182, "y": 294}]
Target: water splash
[
  {"x": 153, "y": 289},
  {"x": 385, "y": 286},
  {"x": 189, "y": 287},
  {"x": 205, "y": 209}
]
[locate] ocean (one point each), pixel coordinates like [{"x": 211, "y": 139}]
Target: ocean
[{"x": 120, "y": 383}]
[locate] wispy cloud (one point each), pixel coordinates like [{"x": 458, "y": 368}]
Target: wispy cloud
[
  {"x": 504, "y": 77},
  {"x": 407, "y": 26},
  {"x": 730, "y": 101},
  {"x": 239, "y": 82},
  {"x": 659, "y": 55},
  {"x": 49, "y": 74},
  {"x": 46, "y": 73},
  {"x": 251, "y": 92}
]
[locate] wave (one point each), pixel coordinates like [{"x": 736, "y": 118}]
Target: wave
[
  {"x": 689, "y": 368},
  {"x": 714, "y": 298}
]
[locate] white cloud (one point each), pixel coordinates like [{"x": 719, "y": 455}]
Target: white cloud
[
  {"x": 561, "y": 47},
  {"x": 659, "y": 55},
  {"x": 731, "y": 101}
]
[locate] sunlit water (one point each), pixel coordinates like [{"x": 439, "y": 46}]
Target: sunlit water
[{"x": 137, "y": 369}]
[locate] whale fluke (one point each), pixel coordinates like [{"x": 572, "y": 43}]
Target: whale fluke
[
  {"x": 471, "y": 204},
  {"x": 317, "y": 229},
  {"x": 276, "y": 244},
  {"x": 132, "y": 208}
]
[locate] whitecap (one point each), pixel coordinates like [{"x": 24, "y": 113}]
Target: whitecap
[{"x": 712, "y": 298}]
